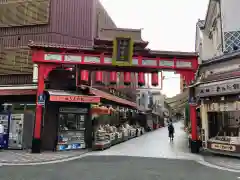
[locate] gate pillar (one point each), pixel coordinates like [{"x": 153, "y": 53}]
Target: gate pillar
[{"x": 43, "y": 71}]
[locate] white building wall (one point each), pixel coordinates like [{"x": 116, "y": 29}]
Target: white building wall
[
  {"x": 207, "y": 49},
  {"x": 230, "y": 15},
  {"x": 210, "y": 43}
]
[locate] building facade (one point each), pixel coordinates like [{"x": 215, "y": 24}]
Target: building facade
[
  {"x": 53, "y": 22},
  {"x": 219, "y": 32},
  {"x": 216, "y": 87}
]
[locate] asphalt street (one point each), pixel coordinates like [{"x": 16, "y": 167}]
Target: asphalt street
[
  {"x": 117, "y": 168},
  {"x": 149, "y": 157}
]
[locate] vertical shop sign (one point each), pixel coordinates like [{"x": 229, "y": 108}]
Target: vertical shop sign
[{"x": 41, "y": 100}]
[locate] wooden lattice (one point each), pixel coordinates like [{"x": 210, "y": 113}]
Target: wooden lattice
[
  {"x": 24, "y": 12},
  {"x": 15, "y": 61}
]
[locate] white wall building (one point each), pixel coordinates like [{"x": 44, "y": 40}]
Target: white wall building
[
  {"x": 150, "y": 99},
  {"x": 219, "y": 33}
]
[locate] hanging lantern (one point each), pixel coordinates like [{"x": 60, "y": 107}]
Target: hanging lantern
[
  {"x": 84, "y": 76},
  {"x": 155, "y": 79},
  {"x": 113, "y": 77},
  {"x": 127, "y": 78},
  {"x": 141, "y": 79},
  {"x": 99, "y": 77}
]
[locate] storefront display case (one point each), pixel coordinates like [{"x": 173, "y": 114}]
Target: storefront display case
[
  {"x": 112, "y": 127},
  {"x": 226, "y": 142},
  {"x": 101, "y": 139},
  {"x": 71, "y": 133}
]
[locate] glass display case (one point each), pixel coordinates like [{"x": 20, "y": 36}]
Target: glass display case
[{"x": 71, "y": 134}]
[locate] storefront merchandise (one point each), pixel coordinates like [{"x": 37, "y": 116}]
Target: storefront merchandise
[{"x": 71, "y": 128}]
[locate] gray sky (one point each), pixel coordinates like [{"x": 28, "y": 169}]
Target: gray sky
[{"x": 167, "y": 25}]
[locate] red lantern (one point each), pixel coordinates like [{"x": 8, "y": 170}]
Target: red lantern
[
  {"x": 84, "y": 76},
  {"x": 99, "y": 77},
  {"x": 127, "y": 78},
  {"x": 141, "y": 79},
  {"x": 113, "y": 77},
  {"x": 155, "y": 79}
]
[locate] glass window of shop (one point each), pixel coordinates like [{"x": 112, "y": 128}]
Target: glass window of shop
[
  {"x": 72, "y": 119},
  {"x": 71, "y": 122},
  {"x": 18, "y": 107},
  {"x": 71, "y": 133}
]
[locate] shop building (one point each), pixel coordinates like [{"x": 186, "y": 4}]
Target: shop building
[
  {"x": 19, "y": 75},
  {"x": 42, "y": 21},
  {"x": 217, "y": 42},
  {"x": 217, "y": 91}
]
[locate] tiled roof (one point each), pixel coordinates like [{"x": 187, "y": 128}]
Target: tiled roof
[
  {"x": 54, "y": 45},
  {"x": 135, "y": 34},
  {"x": 221, "y": 58},
  {"x": 201, "y": 23}
]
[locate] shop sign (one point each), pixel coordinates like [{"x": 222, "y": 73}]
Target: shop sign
[
  {"x": 71, "y": 58},
  {"x": 73, "y": 110},
  {"x": 52, "y": 57},
  {"x": 41, "y": 99},
  {"x": 223, "y": 147},
  {"x": 149, "y": 62},
  {"x": 107, "y": 60},
  {"x": 183, "y": 64},
  {"x": 166, "y": 63},
  {"x": 91, "y": 59},
  {"x": 83, "y": 99}
]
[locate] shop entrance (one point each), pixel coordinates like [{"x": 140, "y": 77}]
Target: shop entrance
[
  {"x": 219, "y": 122},
  {"x": 66, "y": 126}
]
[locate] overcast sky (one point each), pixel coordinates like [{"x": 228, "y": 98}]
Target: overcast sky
[{"x": 166, "y": 24}]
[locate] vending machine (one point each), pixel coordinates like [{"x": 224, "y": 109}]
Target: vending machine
[
  {"x": 16, "y": 131},
  {"x": 5, "y": 120},
  {"x": 20, "y": 130}
]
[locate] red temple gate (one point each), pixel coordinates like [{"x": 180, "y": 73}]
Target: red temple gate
[{"x": 85, "y": 60}]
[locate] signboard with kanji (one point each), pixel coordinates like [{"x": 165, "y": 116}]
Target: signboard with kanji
[{"x": 122, "y": 51}]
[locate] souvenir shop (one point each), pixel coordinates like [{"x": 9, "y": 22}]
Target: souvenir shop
[
  {"x": 113, "y": 125},
  {"x": 221, "y": 125}
]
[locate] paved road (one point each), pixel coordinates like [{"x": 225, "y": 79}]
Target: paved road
[
  {"x": 155, "y": 144},
  {"x": 117, "y": 168},
  {"x": 150, "y": 157}
]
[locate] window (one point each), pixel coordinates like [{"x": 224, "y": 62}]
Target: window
[{"x": 71, "y": 122}]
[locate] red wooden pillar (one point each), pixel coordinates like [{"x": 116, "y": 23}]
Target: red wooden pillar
[
  {"x": 194, "y": 140},
  {"x": 193, "y": 115},
  {"x": 36, "y": 142}
]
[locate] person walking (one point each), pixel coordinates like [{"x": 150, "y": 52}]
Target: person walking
[{"x": 171, "y": 130}]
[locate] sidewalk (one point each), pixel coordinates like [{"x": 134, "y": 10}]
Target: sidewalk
[
  {"x": 222, "y": 161},
  {"x": 15, "y": 157}
]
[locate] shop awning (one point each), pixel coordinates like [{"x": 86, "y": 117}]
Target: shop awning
[
  {"x": 64, "y": 96},
  {"x": 18, "y": 90},
  {"x": 111, "y": 97}
]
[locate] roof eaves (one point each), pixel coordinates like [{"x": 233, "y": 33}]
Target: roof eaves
[{"x": 221, "y": 58}]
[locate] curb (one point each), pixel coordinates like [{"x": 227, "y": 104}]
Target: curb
[{"x": 31, "y": 163}]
